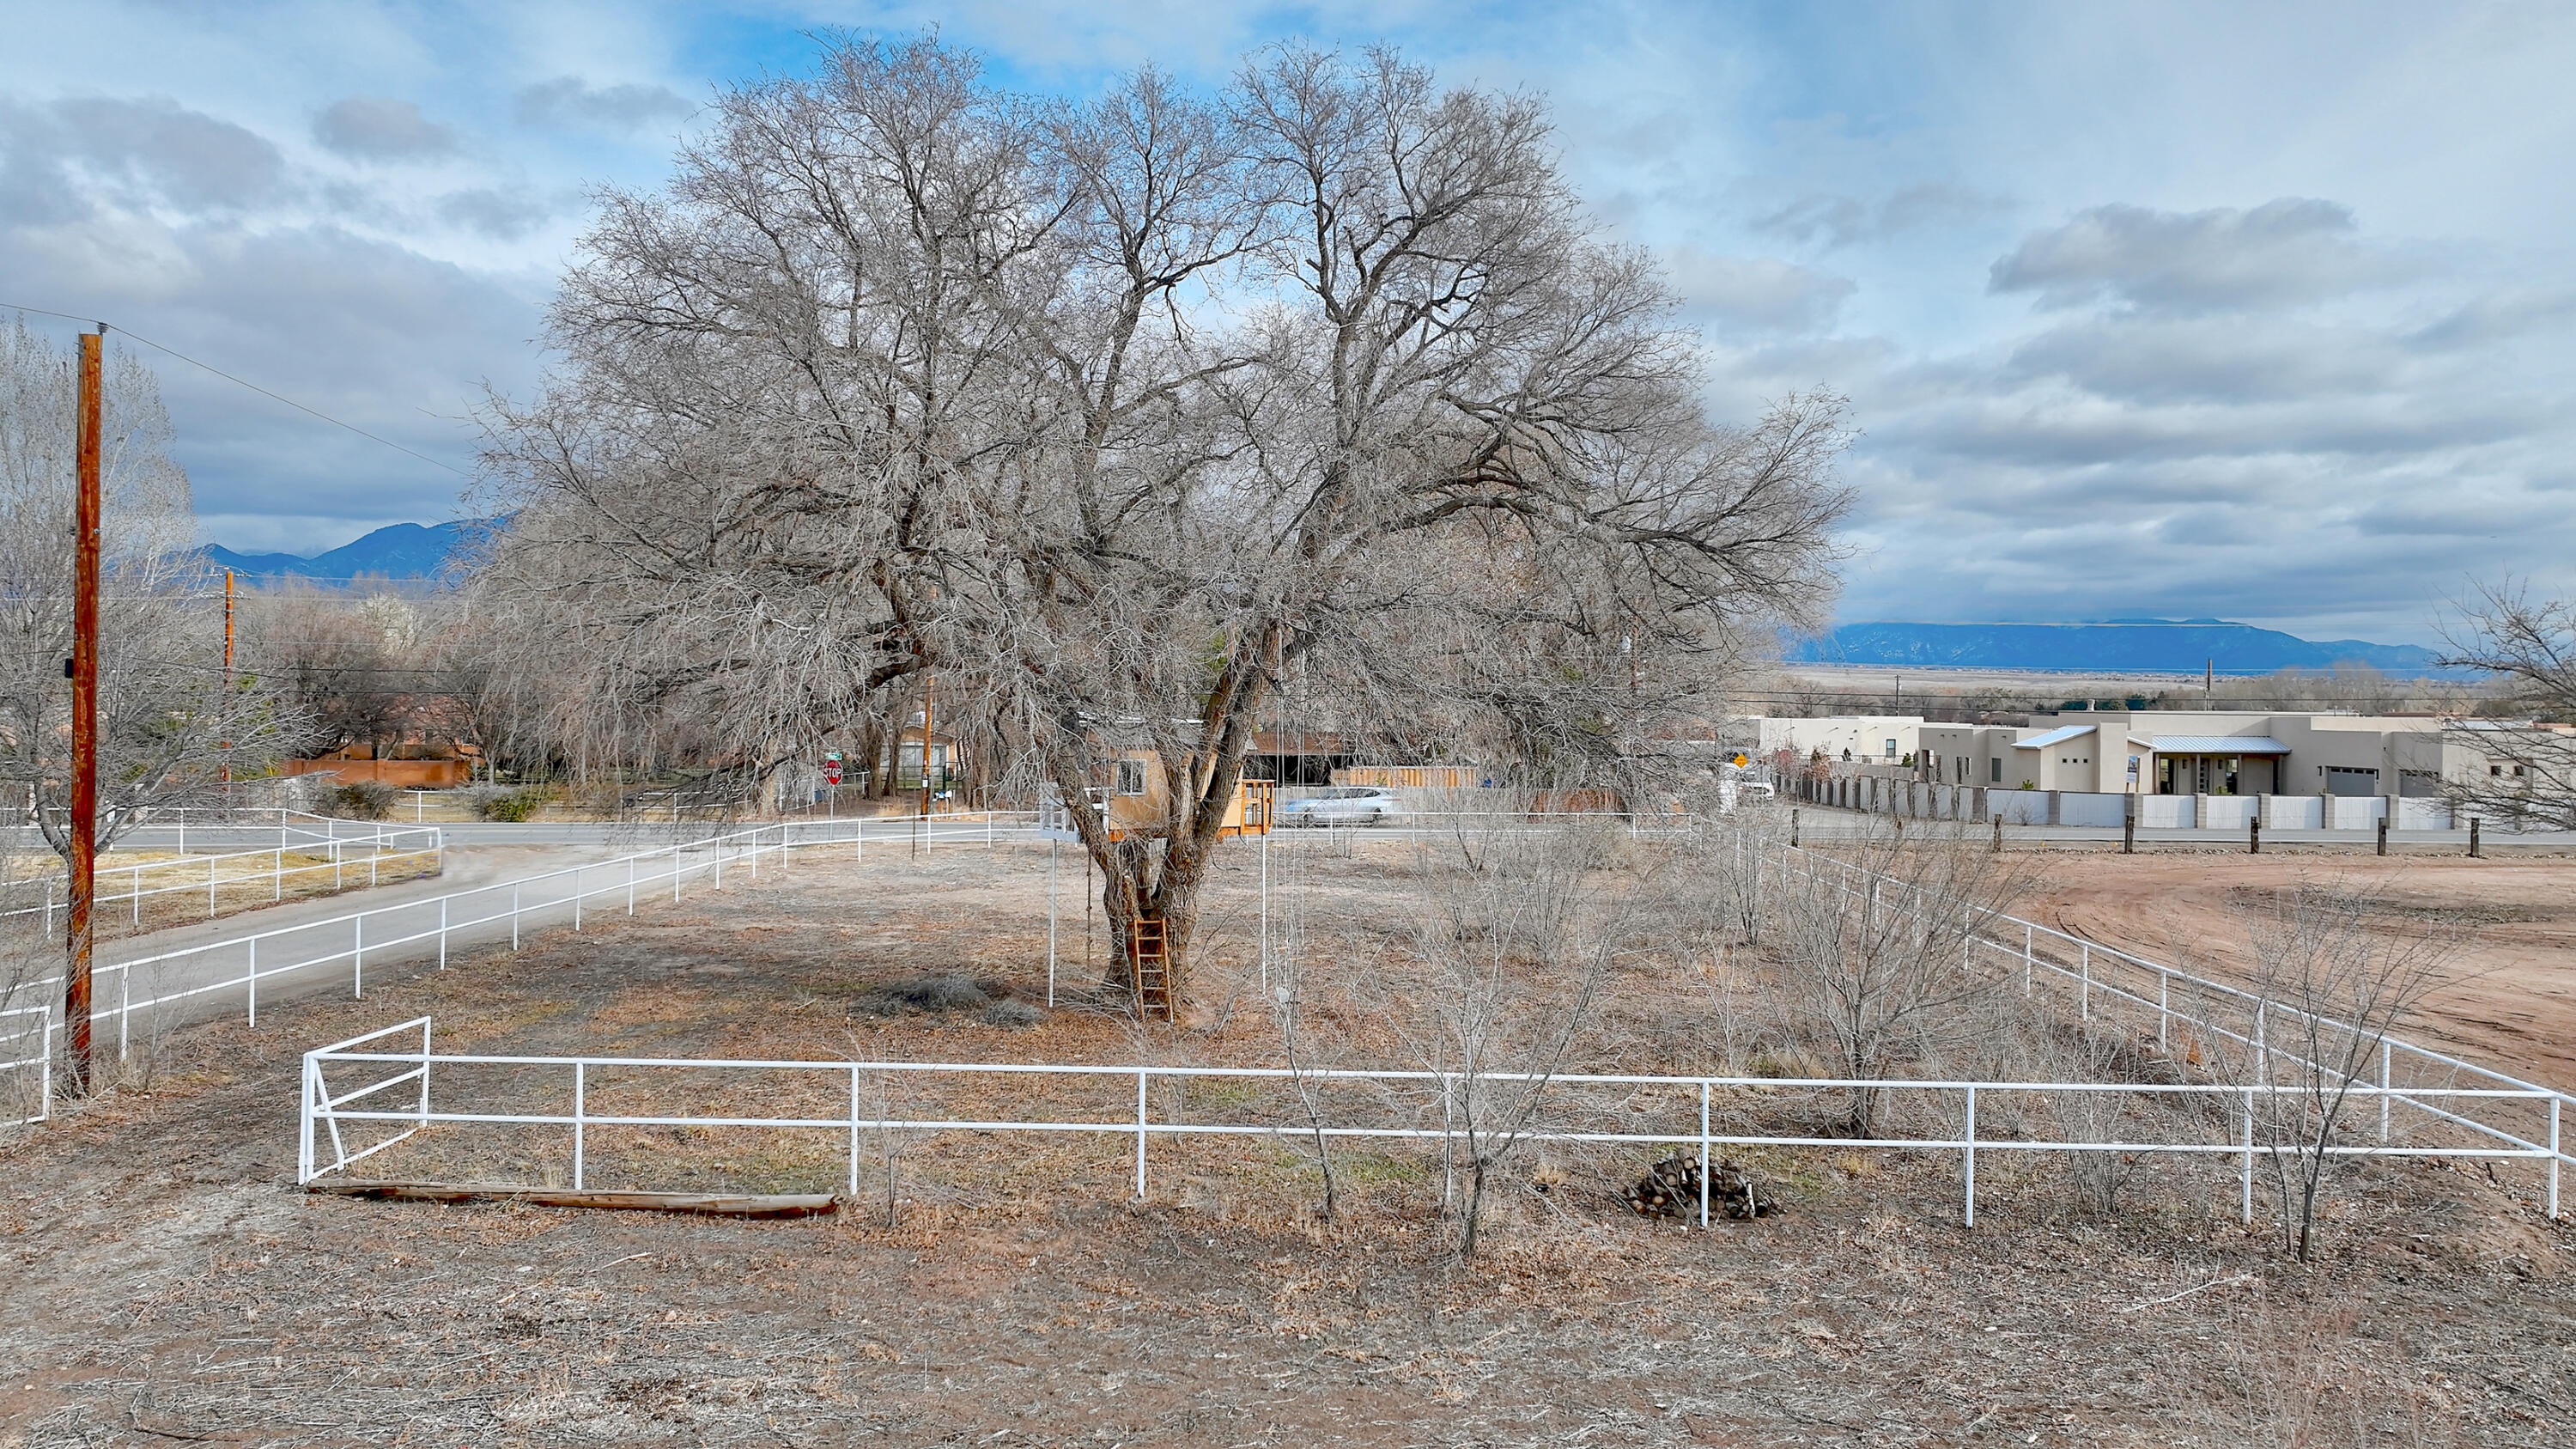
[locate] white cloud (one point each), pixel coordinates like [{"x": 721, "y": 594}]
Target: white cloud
[{"x": 2146, "y": 307}]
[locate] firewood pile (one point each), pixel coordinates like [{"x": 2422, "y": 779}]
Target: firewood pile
[{"x": 1670, "y": 1189}]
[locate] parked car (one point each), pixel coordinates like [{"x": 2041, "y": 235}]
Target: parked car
[{"x": 1344, "y": 805}]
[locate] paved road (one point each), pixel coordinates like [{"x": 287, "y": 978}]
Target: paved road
[
  {"x": 189, "y": 966},
  {"x": 520, "y": 879}
]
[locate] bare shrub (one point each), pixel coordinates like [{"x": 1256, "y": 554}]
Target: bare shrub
[
  {"x": 362, "y": 800},
  {"x": 1494, "y": 990},
  {"x": 1872, "y": 952},
  {"x": 2334, "y": 984}
]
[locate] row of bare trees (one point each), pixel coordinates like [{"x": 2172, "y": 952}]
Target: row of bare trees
[{"x": 1122, "y": 420}]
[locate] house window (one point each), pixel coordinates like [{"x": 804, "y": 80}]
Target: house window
[
  {"x": 1891, "y": 749},
  {"x": 1131, "y": 777},
  {"x": 1995, "y": 771}
]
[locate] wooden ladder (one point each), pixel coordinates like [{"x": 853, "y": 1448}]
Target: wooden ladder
[{"x": 1149, "y": 967}]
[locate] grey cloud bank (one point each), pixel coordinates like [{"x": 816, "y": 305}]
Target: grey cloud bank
[{"x": 2144, "y": 310}]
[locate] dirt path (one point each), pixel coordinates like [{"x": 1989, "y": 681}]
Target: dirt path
[{"x": 2512, "y": 1001}]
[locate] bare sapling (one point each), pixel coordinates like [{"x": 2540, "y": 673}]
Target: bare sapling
[
  {"x": 1731, "y": 855},
  {"x": 2048, "y": 1047},
  {"x": 2333, "y": 980},
  {"x": 1289, "y": 991},
  {"x": 1875, "y": 953},
  {"x": 1494, "y": 992}
]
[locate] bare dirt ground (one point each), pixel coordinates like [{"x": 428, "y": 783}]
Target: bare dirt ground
[
  {"x": 2511, "y": 1003},
  {"x": 165, "y": 1281}
]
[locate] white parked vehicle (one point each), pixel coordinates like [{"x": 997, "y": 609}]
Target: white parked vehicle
[{"x": 1344, "y": 805}]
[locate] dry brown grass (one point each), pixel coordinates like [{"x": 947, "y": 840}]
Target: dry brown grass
[
  {"x": 176, "y": 891},
  {"x": 169, "y": 1280}
]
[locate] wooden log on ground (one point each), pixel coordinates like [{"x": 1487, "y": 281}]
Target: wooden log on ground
[
  {"x": 730, "y": 1205},
  {"x": 1670, "y": 1189}
]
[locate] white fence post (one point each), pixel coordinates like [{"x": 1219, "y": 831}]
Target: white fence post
[
  {"x": 1969, "y": 1214},
  {"x": 576, "y": 900},
  {"x": 1140, "y": 1136},
  {"x": 304, "y": 1122},
  {"x": 252, "y": 982},
  {"x": 442, "y": 933},
  {"x": 580, "y": 1128},
  {"x": 2084, "y": 1011},
  {"x": 2553, "y": 1158},
  {"x": 2383, "y": 1090},
  {"x": 358, "y": 956},
  {"x": 514, "y": 915},
  {"x": 854, "y": 1134},
  {"x": 1703, "y": 1151},
  {"x": 2247, "y": 1189}
]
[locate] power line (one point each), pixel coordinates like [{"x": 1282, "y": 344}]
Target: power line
[{"x": 254, "y": 387}]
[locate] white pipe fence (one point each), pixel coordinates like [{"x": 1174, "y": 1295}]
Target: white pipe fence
[
  {"x": 31, "y": 1025},
  {"x": 2102, "y": 978},
  {"x": 2103, "y": 981},
  {"x": 328, "y": 1120},
  {"x": 206, "y": 875}
]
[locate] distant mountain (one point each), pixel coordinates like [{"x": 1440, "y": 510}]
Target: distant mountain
[
  {"x": 2125, "y": 646},
  {"x": 398, "y": 551}
]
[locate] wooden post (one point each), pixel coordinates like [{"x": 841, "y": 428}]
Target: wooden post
[
  {"x": 2254, "y": 834},
  {"x": 80, "y": 825},
  {"x": 226, "y": 746},
  {"x": 2383, "y": 835},
  {"x": 2473, "y": 837}
]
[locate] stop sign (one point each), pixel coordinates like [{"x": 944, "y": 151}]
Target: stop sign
[{"x": 831, "y": 772}]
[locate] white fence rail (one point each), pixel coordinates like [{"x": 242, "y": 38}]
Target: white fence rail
[
  {"x": 2103, "y": 982},
  {"x": 341, "y": 1123},
  {"x": 193, "y": 875},
  {"x": 2510, "y": 1117}
]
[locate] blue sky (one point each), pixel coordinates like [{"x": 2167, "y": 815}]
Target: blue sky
[{"x": 2264, "y": 313}]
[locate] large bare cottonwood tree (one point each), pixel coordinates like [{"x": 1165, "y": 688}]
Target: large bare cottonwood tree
[{"x": 1119, "y": 417}]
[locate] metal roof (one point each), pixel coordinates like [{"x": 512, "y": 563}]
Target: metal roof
[
  {"x": 2056, "y": 736},
  {"x": 2219, "y": 745}
]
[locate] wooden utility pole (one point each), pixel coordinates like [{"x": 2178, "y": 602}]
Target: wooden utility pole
[
  {"x": 80, "y": 824},
  {"x": 227, "y": 745}
]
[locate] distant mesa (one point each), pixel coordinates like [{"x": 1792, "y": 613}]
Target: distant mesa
[
  {"x": 2122, "y": 646},
  {"x": 401, "y": 551}
]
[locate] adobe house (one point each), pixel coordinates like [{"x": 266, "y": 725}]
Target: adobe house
[{"x": 1136, "y": 792}]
